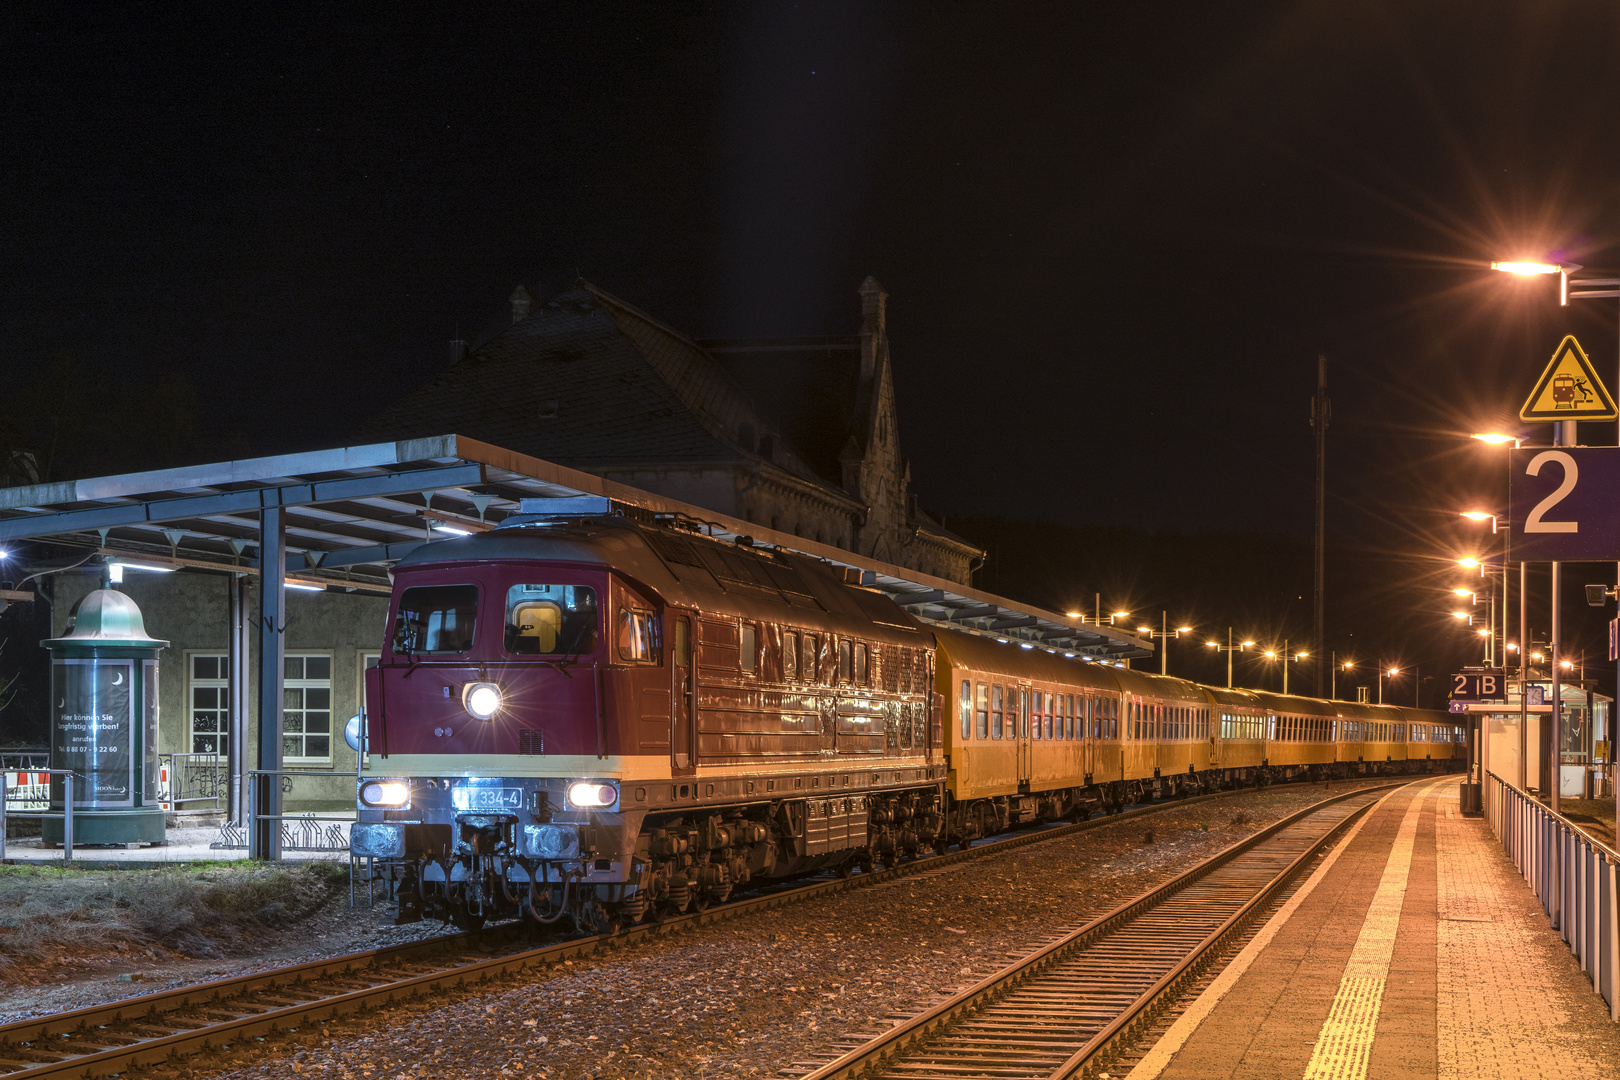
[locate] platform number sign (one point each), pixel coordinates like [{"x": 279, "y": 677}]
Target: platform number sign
[
  {"x": 1564, "y": 504},
  {"x": 1479, "y": 686}
]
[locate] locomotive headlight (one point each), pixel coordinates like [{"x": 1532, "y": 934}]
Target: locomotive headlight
[
  {"x": 392, "y": 794},
  {"x": 482, "y": 700},
  {"x": 592, "y": 794}
]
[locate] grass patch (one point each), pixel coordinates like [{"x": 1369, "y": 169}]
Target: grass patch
[{"x": 198, "y": 911}]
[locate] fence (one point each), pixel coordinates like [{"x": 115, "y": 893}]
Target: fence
[
  {"x": 66, "y": 816},
  {"x": 25, "y": 760},
  {"x": 200, "y": 779},
  {"x": 1573, "y": 875},
  {"x": 296, "y": 832}
]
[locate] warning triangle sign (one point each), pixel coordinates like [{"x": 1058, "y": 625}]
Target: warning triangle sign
[{"x": 1569, "y": 389}]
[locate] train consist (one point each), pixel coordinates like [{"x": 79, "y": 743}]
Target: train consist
[{"x": 603, "y": 718}]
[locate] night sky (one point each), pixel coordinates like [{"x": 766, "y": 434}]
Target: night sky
[{"x": 1115, "y": 236}]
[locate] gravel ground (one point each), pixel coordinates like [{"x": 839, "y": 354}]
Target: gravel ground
[{"x": 746, "y": 997}]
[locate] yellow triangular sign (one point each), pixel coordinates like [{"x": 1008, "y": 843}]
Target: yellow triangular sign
[{"x": 1569, "y": 389}]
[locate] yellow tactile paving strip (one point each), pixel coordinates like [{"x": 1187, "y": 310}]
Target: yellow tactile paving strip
[{"x": 1345, "y": 1042}]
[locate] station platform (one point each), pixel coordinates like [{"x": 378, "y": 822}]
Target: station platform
[{"x": 1414, "y": 950}]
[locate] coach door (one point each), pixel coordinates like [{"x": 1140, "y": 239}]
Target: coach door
[
  {"x": 1026, "y": 756},
  {"x": 683, "y": 730},
  {"x": 1090, "y": 719}
]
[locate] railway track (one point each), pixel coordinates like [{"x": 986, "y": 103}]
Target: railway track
[
  {"x": 107, "y": 1039},
  {"x": 1060, "y": 1011}
]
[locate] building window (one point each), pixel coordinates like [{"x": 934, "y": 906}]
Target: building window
[
  {"x": 306, "y": 708},
  {"x": 210, "y": 696}
]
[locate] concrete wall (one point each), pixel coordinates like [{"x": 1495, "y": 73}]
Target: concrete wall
[{"x": 191, "y": 610}]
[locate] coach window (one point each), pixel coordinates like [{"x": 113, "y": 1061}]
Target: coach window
[
  {"x": 790, "y": 656},
  {"x": 549, "y": 620},
  {"x": 748, "y": 648},
  {"x": 638, "y": 636},
  {"x": 810, "y": 659},
  {"x": 997, "y": 713},
  {"x": 846, "y": 662},
  {"x": 983, "y": 711},
  {"x": 1035, "y": 706},
  {"x": 1023, "y": 713},
  {"x": 860, "y": 665},
  {"x": 966, "y": 708}
]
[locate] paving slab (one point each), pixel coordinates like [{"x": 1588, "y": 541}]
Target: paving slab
[{"x": 1414, "y": 951}]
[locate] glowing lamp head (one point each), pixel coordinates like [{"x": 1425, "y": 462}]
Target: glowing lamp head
[
  {"x": 1494, "y": 438},
  {"x": 1270, "y": 655},
  {"x": 1459, "y": 614},
  {"x": 1301, "y": 655},
  {"x": 1121, "y": 614},
  {"x": 1184, "y": 629},
  {"x": 1483, "y": 633},
  {"x": 1394, "y": 671},
  {"x": 1246, "y": 644},
  {"x": 482, "y": 700},
  {"x": 391, "y": 794},
  {"x": 1469, "y": 562},
  {"x": 592, "y": 794},
  {"x": 1477, "y": 515},
  {"x": 1525, "y": 268}
]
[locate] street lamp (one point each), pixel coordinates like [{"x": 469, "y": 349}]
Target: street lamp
[
  {"x": 1497, "y": 438},
  {"x": 1333, "y": 685},
  {"x": 1164, "y": 634},
  {"x": 1228, "y": 649},
  {"x": 1394, "y": 671}
]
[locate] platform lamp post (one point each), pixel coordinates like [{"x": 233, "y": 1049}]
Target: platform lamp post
[
  {"x": 1497, "y": 438},
  {"x": 1564, "y": 435},
  {"x": 1164, "y": 634},
  {"x": 1229, "y": 649}
]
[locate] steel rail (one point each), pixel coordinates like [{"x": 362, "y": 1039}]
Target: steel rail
[
  {"x": 1021, "y": 1048},
  {"x": 95, "y": 1026}
]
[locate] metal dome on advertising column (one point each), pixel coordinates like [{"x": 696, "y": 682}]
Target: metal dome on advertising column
[{"x": 104, "y": 717}]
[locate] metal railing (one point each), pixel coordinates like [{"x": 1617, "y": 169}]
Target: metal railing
[
  {"x": 66, "y": 815},
  {"x": 1573, "y": 875},
  {"x": 193, "y": 778}
]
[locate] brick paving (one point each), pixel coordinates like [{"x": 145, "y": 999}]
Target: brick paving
[{"x": 1473, "y": 984}]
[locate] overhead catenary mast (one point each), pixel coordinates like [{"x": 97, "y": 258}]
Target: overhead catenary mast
[{"x": 1321, "y": 412}]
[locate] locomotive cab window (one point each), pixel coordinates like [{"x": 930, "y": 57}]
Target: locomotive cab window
[
  {"x": 860, "y": 665},
  {"x": 436, "y": 619},
  {"x": 550, "y": 620},
  {"x": 846, "y": 662},
  {"x": 638, "y": 636}
]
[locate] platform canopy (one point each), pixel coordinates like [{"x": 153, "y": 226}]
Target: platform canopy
[{"x": 351, "y": 512}]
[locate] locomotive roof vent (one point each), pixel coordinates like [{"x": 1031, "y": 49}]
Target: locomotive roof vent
[{"x": 556, "y": 511}]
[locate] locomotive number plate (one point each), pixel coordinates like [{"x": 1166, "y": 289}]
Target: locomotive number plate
[{"x": 487, "y": 798}]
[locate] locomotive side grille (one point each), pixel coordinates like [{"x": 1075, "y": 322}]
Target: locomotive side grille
[
  {"x": 671, "y": 548},
  {"x": 531, "y": 742}
]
